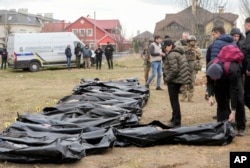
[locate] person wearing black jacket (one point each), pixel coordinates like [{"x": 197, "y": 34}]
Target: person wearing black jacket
[
  {"x": 4, "y": 55},
  {"x": 246, "y": 62},
  {"x": 78, "y": 53},
  {"x": 98, "y": 54},
  {"x": 228, "y": 90},
  {"x": 109, "y": 49},
  {"x": 68, "y": 56}
]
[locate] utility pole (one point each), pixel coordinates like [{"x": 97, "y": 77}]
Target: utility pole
[
  {"x": 194, "y": 22},
  {"x": 94, "y": 31},
  {"x": 5, "y": 28}
]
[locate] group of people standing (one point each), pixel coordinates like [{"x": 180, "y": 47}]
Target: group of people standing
[
  {"x": 86, "y": 53},
  {"x": 230, "y": 90},
  {"x": 180, "y": 61},
  {"x": 177, "y": 62}
]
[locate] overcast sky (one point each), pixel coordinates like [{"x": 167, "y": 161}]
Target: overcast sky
[{"x": 134, "y": 15}]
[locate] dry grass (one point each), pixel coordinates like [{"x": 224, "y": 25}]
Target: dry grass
[
  {"x": 23, "y": 91},
  {"x": 29, "y": 92}
]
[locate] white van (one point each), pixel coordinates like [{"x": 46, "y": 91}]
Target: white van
[{"x": 35, "y": 50}]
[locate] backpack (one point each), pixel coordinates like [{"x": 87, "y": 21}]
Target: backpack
[{"x": 229, "y": 53}]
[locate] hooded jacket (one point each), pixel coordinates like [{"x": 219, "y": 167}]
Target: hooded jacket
[
  {"x": 242, "y": 38},
  {"x": 176, "y": 67}
]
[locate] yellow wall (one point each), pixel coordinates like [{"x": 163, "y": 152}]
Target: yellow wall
[{"x": 209, "y": 26}]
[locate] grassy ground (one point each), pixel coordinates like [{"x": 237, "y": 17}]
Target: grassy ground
[
  {"x": 23, "y": 91},
  {"x": 30, "y": 92}
]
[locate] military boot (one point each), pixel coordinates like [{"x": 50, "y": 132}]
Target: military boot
[{"x": 183, "y": 97}]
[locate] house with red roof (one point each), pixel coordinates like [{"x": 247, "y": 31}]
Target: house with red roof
[{"x": 93, "y": 32}]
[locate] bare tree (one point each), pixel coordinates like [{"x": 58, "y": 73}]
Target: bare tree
[
  {"x": 119, "y": 36},
  {"x": 199, "y": 17},
  {"x": 244, "y": 8},
  {"x": 212, "y": 6}
]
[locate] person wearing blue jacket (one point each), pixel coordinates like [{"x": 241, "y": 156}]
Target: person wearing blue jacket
[
  {"x": 86, "y": 53},
  {"x": 68, "y": 54},
  {"x": 221, "y": 40}
]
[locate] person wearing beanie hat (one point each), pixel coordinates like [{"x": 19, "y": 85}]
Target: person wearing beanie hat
[
  {"x": 214, "y": 71},
  {"x": 220, "y": 39},
  {"x": 228, "y": 91},
  {"x": 168, "y": 42}
]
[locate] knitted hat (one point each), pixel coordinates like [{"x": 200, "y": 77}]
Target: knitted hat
[
  {"x": 167, "y": 42},
  {"x": 214, "y": 71}
]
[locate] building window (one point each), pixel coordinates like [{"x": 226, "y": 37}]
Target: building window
[
  {"x": 173, "y": 26},
  {"x": 82, "y": 32},
  {"x": 201, "y": 28},
  {"x": 89, "y": 32},
  {"x": 91, "y": 45},
  {"x": 218, "y": 22},
  {"x": 75, "y": 31}
]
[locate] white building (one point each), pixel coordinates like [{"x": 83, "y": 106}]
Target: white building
[{"x": 12, "y": 21}]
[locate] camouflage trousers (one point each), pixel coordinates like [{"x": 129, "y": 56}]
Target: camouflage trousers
[
  {"x": 187, "y": 91},
  {"x": 146, "y": 66}
]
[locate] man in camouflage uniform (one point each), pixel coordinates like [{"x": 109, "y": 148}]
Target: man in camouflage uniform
[
  {"x": 146, "y": 59},
  {"x": 193, "y": 54},
  {"x": 183, "y": 41}
]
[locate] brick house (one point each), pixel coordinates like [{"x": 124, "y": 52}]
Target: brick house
[
  {"x": 93, "y": 32},
  {"x": 196, "y": 21},
  {"x": 144, "y": 36}
]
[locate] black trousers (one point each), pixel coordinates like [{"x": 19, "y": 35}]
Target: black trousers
[
  {"x": 223, "y": 104},
  {"x": 98, "y": 61},
  {"x": 109, "y": 59},
  {"x": 173, "y": 92},
  {"x": 247, "y": 91},
  {"x": 4, "y": 62}
]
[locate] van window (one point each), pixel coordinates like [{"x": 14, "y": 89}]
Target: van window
[{"x": 75, "y": 44}]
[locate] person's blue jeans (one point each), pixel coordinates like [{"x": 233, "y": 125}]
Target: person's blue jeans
[
  {"x": 68, "y": 62},
  {"x": 156, "y": 67}
]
